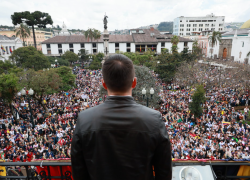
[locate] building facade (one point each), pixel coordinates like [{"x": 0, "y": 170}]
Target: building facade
[
  {"x": 234, "y": 45},
  {"x": 138, "y": 41},
  {"x": 7, "y": 45},
  {"x": 186, "y": 26},
  {"x": 29, "y": 41}
]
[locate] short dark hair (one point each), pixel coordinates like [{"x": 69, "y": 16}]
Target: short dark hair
[{"x": 118, "y": 73}]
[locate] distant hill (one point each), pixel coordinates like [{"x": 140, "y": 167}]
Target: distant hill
[{"x": 166, "y": 26}]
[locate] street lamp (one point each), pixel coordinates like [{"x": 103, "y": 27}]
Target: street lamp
[
  {"x": 56, "y": 62},
  {"x": 28, "y": 94},
  {"x": 144, "y": 91}
]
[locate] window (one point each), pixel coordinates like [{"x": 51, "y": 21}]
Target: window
[
  {"x": 204, "y": 20},
  {"x": 94, "y": 50},
  {"x": 48, "y": 46},
  {"x": 194, "y": 29},
  {"x": 188, "y": 29},
  {"x": 128, "y": 50},
  {"x": 128, "y": 44},
  {"x": 82, "y": 45},
  {"x": 181, "y": 25},
  {"x": 133, "y": 31},
  {"x": 59, "y": 51},
  {"x": 180, "y": 20},
  {"x": 94, "y": 45},
  {"x": 70, "y": 45},
  {"x": 163, "y": 44},
  {"x": 220, "y": 25},
  {"x": 48, "y": 51},
  {"x": 186, "y": 20},
  {"x": 116, "y": 45},
  {"x": 206, "y": 25},
  {"x": 242, "y": 43},
  {"x": 188, "y": 34},
  {"x": 191, "y": 20},
  {"x": 200, "y": 25},
  {"x": 14, "y": 48},
  {"x": 210, "y": 20},
  {"x": 198, "y": 21},
  {"x": 71, "y": 50},
  {"x": 194, "y": 25},
  {"x": 188, "y": 25},
  {"x": 185, "y": 43},
  {"x": 59, "y": 45},
  {"x": 222, "y": 19}
]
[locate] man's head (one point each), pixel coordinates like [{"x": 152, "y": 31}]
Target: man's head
[{"x": 118, "y": 74}]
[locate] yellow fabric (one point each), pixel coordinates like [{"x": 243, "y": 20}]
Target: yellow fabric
[
  {"x": 244, "y": 171},
  {"x": 2, "y": 168}
]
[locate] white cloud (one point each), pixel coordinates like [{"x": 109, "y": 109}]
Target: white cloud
[{"x": 80, "y": 14}]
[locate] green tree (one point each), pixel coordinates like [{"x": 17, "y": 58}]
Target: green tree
[
  {"x": 70, "y": 56},
  {"x": 29, "y": 57},
  {"x": 60, "y": 61},
  {"x": 83, "y": 55},
  {"x": 92, "y": 33},
  {"x": 8, "y": 89},
  {"x": 36, "y": 18},
  {"x": 23, "y": 32},
  {"x": 68, "y": 79},
  {"x": 213, "y": 38},
  {"x": 174, "y": 40},
  {"x": 197, "y": 99},
  {"x": 197, "y": 51},
  {"x": 42, "y": 82},
  {"x": 5, "y": 66}
]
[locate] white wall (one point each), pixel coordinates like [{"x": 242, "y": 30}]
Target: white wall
[
  {"x": 65, "y": 47},
  {"x": 168, "y": 45},
  {"x": 111, "y": 47},
  {"x": 190, "y": 45},
  {"x": 100, "y": 47},
  {"x": 88, "y": 48},
  {"x": 132, "y": 47},
  {"x": 44, "y": 49},
  {"x": 158, "y": 47},
  {"x": 237, "y": 47},
  {"x": 123, "y": 47},
  {"x": 180, "y": 46},
  {"x": 54, "y": 48},
  {"x": 77, "y": 47}
]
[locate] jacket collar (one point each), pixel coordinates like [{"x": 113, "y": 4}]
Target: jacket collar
[{"x": 120, "y": 99}]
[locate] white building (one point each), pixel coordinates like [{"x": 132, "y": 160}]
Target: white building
[
  {"x": 7, "y": 45},
  {"x": 185, "y": 26},
  {"x": 138, "y": 41},
  {"x": 63, "y": 32},
  {"x": 234, "y": 45}
]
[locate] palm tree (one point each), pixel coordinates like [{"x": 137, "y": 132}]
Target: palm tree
[
  {"x": 174, "y": 40},
  {"x": 92, "y": 33},
  {"x": 23, "y": 32},
  {"x": 215, "y": 36}
]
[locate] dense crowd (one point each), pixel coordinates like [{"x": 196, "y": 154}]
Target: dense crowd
[{"x": 219, "y": 133}]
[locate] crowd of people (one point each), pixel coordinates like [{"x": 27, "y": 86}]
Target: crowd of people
[{"x": 221, "y": 132}]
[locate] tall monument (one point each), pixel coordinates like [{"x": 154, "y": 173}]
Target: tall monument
[{"x": 106, "y": 36}]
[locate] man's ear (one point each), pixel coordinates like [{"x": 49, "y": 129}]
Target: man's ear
[
  {"x": 104, "y": 84},
  {"x": 134, "y": 82}
]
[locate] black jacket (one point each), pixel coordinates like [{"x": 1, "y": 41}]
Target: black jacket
[{"x": 120, "y": 139}]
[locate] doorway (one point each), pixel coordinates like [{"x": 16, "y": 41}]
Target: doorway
[{"x": 224, "y": 53}]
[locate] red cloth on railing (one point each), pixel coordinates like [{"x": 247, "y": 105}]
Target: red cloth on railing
[{"x": 55, "y": 171}]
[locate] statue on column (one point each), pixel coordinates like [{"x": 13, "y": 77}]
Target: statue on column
[{"x": 105, "y": 21}]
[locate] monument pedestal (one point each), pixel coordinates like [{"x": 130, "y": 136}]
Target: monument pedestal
[{"x": 106, "y": 42}]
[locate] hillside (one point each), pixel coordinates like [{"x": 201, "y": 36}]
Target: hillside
[{"x": 166, "y": 26}]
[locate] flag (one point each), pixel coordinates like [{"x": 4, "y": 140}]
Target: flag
[
  {"x": 10, "y": 50},
  {"x": 225, "y": 123},
  {"x": 152, "y": 47},
  {"x": 2, "y": 48},
  {"x": 140, "y": 48}
]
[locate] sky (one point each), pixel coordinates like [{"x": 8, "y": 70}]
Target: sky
[{"x": 125, "y": 14}]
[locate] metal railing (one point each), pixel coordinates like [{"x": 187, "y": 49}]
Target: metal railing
[
  {"x": 222, "y": 170},
  {"x": 26, "y": 170}
]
